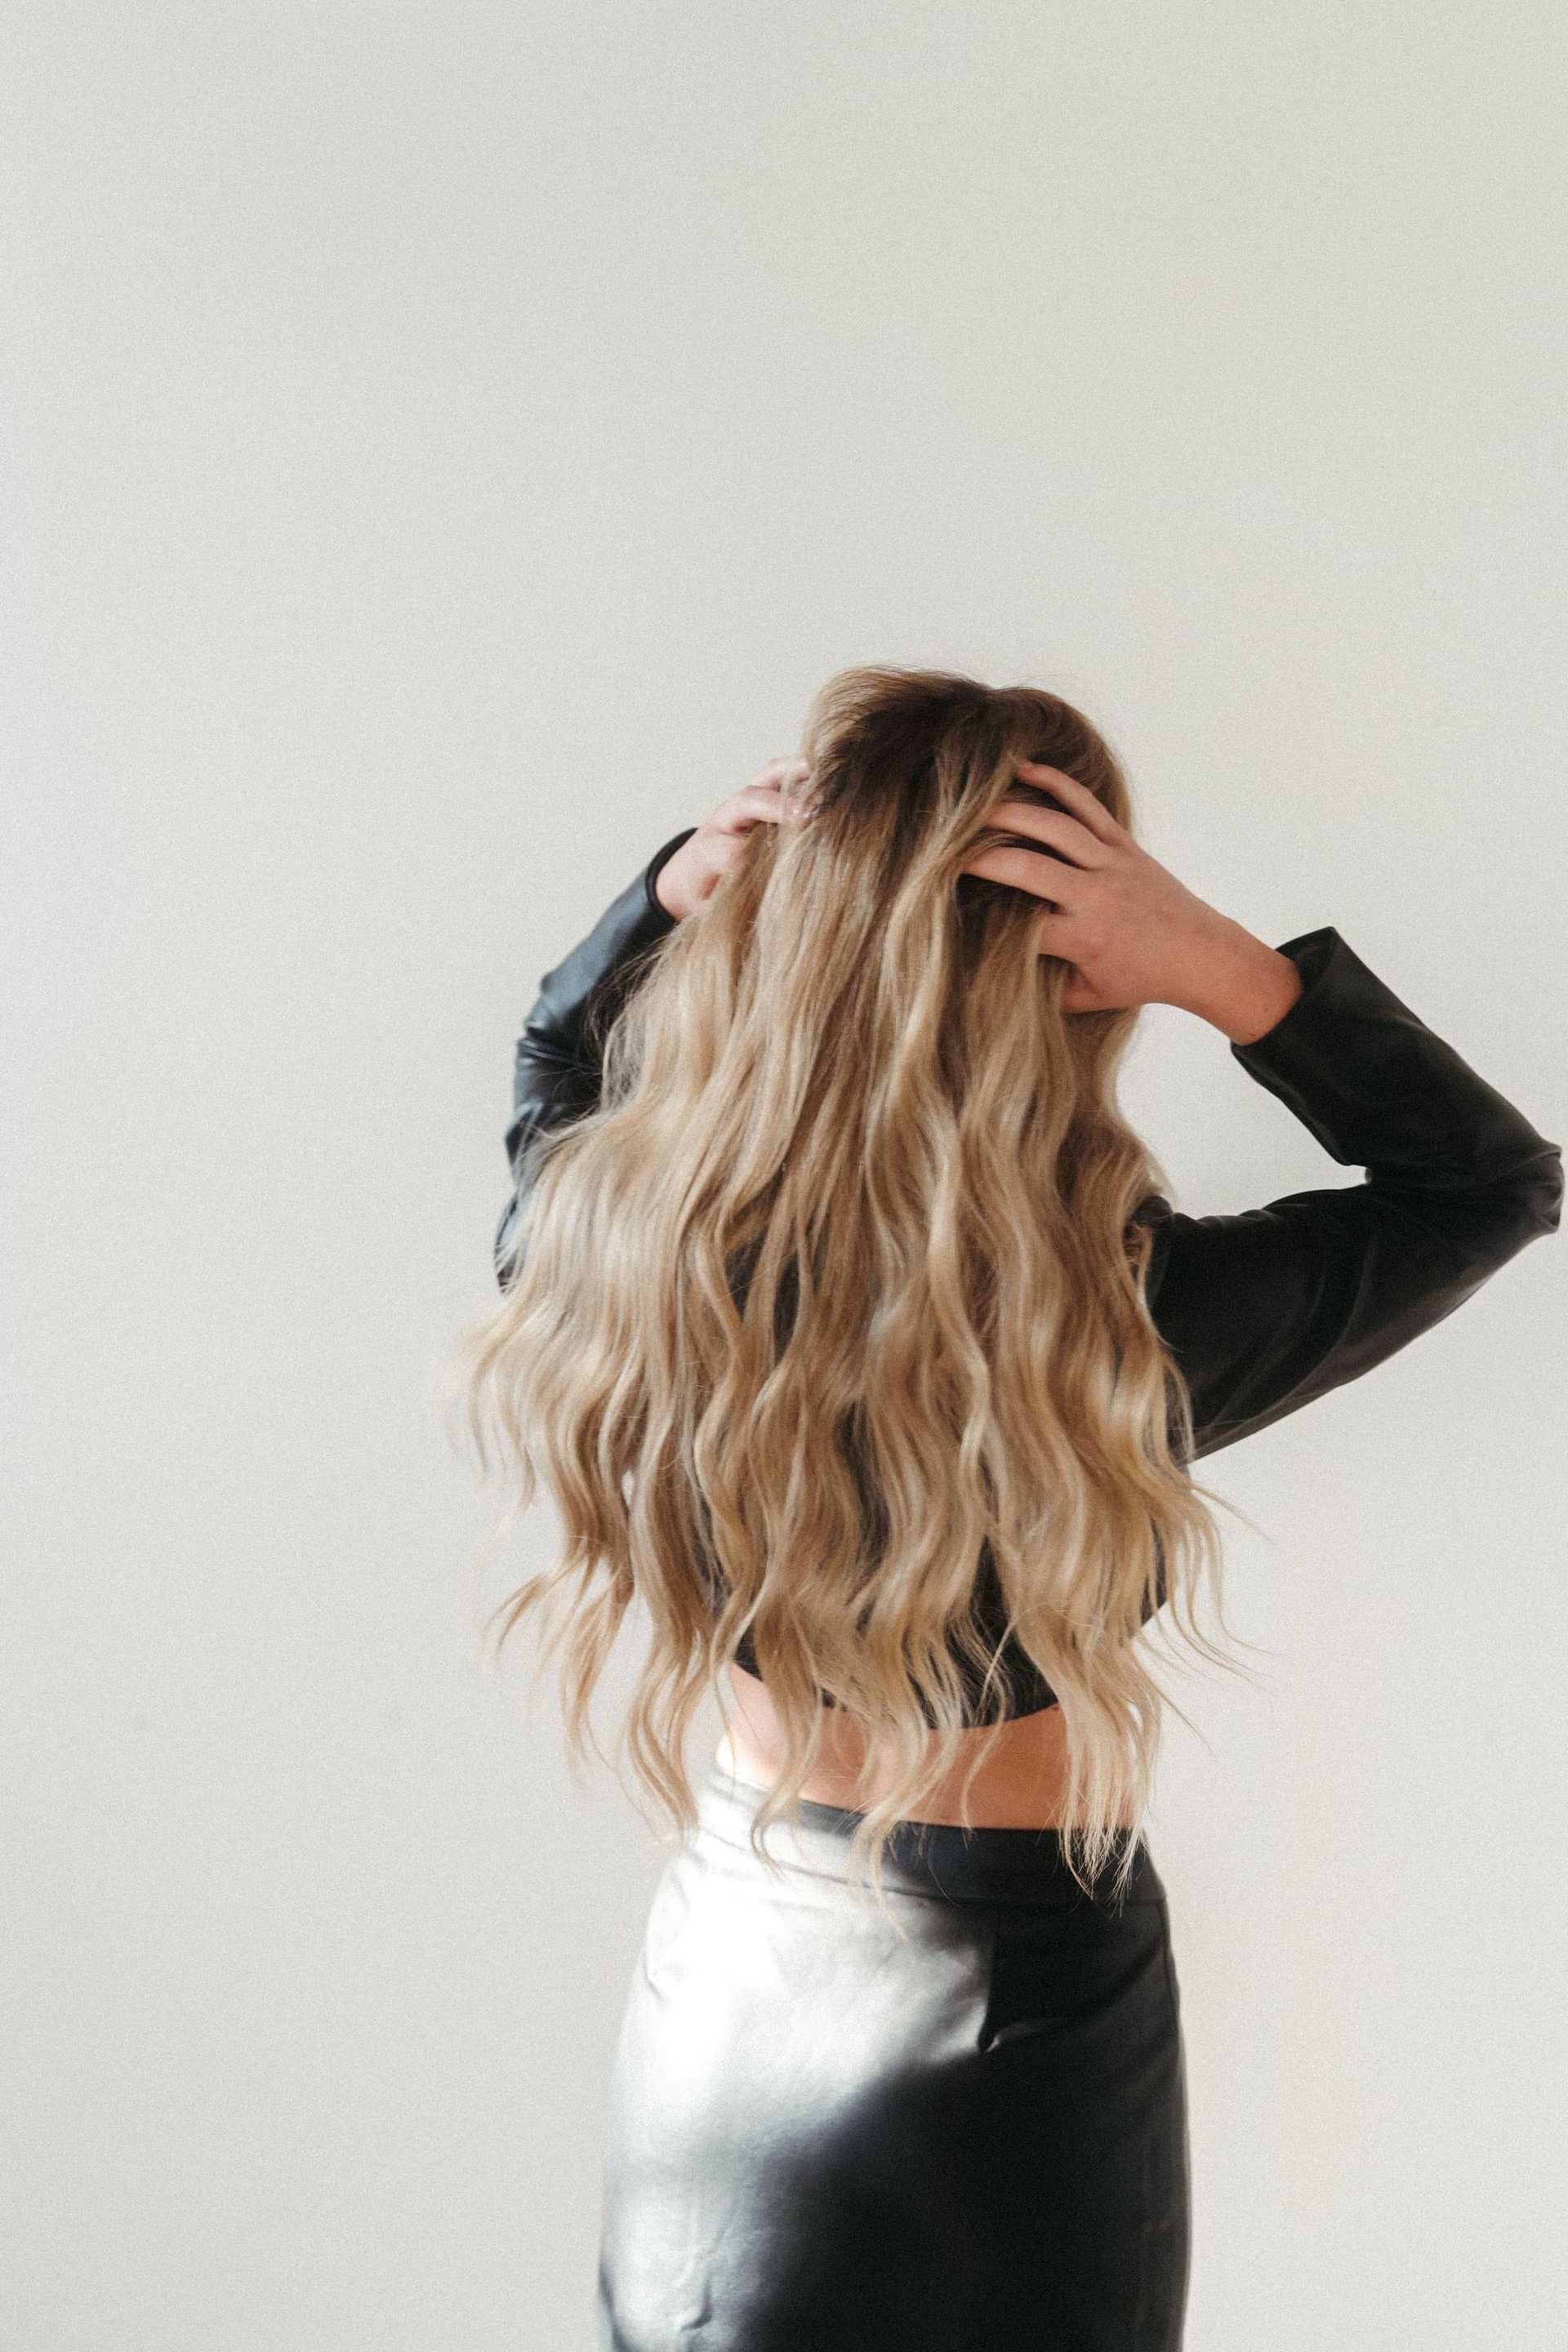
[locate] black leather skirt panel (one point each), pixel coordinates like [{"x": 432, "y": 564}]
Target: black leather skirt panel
[{"x": 830, "y": 2135}]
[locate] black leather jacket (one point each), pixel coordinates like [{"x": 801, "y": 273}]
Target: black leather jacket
[{"x": 1263, "y": 1311}]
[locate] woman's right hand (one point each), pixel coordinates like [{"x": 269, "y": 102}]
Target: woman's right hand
[{"x": 1130, "y": 932}]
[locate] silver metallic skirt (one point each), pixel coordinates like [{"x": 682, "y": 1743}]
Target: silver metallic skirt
[{"x": 824, "y": 2138}]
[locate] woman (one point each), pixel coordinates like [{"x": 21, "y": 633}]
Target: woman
[{"x": 855, "y": 1336}]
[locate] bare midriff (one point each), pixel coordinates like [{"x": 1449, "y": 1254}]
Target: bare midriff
[{"x": 1020, "y": 1785}]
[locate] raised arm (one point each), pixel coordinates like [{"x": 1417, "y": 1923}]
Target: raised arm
[
  {"x": 1267, "y": 1310},
  {"x": 557, "y": 1072}
]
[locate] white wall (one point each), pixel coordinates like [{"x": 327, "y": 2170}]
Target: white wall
[{"x": 444, "y": 448}]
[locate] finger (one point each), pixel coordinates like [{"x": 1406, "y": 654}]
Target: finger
[
  {"x": 1025, "y": 870},
  {"x": 785, "y": 770},
  {"x": 797, "y": 790},
  {"x": 1082, "y": 803},
  {"x": 756, "y": 805},
  {"x": 1057, "y": 935},
  {"x": 781, "y": 779},
  {"x": 1053, "y": 827}
]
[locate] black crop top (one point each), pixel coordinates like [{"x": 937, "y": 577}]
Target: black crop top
[{"x": 1265, "y": 1311}]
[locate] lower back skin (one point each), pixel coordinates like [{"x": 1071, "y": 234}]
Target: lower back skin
[{"x": 1021, "y": 1785}]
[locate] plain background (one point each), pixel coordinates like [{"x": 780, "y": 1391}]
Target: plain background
[{"x": 444, "y": 448}]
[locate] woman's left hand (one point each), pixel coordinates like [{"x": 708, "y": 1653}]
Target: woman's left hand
[{"x": 693, "y": 873}]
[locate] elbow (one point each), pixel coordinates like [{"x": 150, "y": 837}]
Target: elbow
[
  {"x": 1541, "y": 1194},
  {"x": 1496, "y": 1224}
]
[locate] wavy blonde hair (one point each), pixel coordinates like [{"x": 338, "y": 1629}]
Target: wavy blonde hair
[{"x": 841, "y": 1282}]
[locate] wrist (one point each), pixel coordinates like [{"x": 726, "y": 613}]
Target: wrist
[
  {"x": 673, "y": 907},
  {"x": 1247, "y": 988},
  {"x": 667, "y": 885}
]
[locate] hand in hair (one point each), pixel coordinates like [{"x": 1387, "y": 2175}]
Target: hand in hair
[
  {"x": 1128, "y": 930},
  {"x": 697, "y": 866}
]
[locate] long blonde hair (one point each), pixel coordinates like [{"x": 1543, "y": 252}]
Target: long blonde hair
[{"x": 841, "y": 1282}]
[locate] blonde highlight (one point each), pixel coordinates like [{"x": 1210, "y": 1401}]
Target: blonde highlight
[{"x": 840, "y": 1283}]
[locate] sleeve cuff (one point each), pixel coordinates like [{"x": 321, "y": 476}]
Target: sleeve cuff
[{"x": 1317, "y": 956}]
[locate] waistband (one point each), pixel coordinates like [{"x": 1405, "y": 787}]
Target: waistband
[{"x": 981, "y": 1865}]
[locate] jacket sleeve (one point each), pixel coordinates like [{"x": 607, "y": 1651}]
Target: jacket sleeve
[
  {"x": 557, "y": 1069},
  {"x": 1267, "y": 1311}
]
